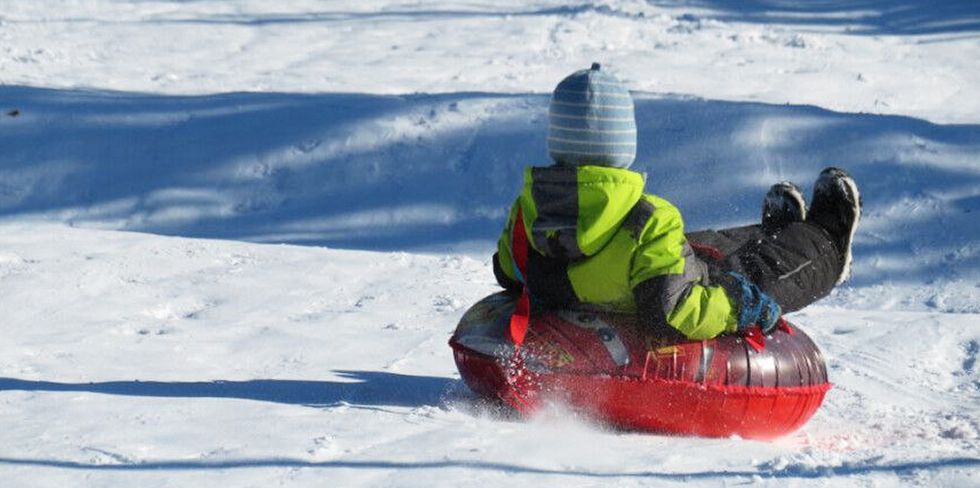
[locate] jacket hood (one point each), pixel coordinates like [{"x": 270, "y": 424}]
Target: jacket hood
[{"x": 572, "y": 212}]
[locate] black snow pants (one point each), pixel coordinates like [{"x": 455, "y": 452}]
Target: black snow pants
[{"x": 796, "y": 265}]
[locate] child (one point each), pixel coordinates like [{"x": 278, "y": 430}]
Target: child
[{"x": 595, "y": 240}]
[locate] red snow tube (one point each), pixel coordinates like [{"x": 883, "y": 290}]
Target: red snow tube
[{"x": 600, "y": 364}]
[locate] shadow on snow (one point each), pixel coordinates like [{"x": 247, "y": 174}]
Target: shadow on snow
[
  {"x": 871, "y": 17},
  {"x": 792, "y": 472},
  {"x": 379, "y": 389},
  {"x": 434, "y": 172},
  {"x": 363, "y": 388},
  {"x": 860, "y": 17}
]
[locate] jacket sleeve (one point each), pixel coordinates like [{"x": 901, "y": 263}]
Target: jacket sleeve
[
  {"x": 668, "y": 282},
  {"x": 503, "y": 262}
]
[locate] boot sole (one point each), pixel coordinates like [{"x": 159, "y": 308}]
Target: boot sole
[
  {"x": 856, "y": 208},
  {"x": 792, "y": 191}
]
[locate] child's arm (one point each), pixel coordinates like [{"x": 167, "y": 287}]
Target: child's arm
[
  {"x": 665, "y": 286},
  {"x": 502, "y": 278},
  {"x": 503, "y": 263}
]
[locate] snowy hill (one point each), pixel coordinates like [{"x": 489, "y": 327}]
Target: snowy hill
[
  {"x": 438, "y": 172},
  {"x": 383, "y": 141}
]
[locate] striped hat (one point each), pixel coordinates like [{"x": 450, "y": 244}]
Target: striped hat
[{"x": 591, "y": 121}]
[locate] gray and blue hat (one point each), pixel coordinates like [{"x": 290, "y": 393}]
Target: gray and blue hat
[{"x": 592, "y": 121}]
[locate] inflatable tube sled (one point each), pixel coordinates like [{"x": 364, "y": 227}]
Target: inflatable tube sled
[{"x": 601, "y": 364}]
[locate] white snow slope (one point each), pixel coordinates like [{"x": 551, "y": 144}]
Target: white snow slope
[{"x": 383, "y": 141}]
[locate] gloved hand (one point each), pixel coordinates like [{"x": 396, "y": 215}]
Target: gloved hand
[{"x": 755, "y": 307}]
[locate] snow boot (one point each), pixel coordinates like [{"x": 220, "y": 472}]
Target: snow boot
[
  {"x": 783, "y": 204},
  {"x": 836, "y": 206}
]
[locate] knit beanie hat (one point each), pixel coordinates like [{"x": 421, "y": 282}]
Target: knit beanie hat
[{"x": 591, "y": 121}]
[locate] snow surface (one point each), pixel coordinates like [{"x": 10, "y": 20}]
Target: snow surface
[{"x": 383, "y": 141}]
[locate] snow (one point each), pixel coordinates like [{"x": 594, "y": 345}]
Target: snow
[
  {"x": 876, "y": 56},
  {"x": 235, "y": 236}
]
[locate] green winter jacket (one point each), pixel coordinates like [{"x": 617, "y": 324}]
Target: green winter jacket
[{"x": 598, "y": 240}]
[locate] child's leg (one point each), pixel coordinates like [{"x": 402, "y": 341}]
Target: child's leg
[
  {"x": 797, "y": 265},
  {"x": 794, "y": 261},
  {"x": 709, "y": 243}
]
